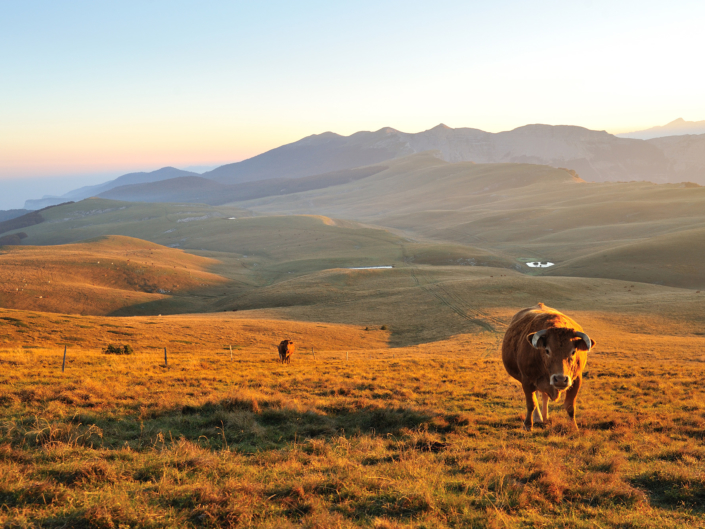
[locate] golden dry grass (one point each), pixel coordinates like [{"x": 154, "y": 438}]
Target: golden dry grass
[
  {"x": 422, "y": 436},
  {"x": 98, "y": 276},
  {"x": 189, "y": 334}
]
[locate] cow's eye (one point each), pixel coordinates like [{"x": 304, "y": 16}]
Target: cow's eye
[{"x": 548, "y": 352}]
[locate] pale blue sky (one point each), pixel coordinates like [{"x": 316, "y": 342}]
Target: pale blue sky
[{"x": 90, "y": 87}]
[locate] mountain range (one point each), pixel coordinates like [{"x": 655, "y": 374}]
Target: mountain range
[
  {"x": 596, "y": 156},
  {"x": 674, "y": 128},
  {"x": 164, "y": 173}
]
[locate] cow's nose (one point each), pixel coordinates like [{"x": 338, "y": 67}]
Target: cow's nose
[{"x": 560, "y": 381}]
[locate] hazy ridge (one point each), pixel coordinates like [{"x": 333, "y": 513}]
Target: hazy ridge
[
  {"x": 674, "y": 128},
  {"x": 596, "y": 156}
]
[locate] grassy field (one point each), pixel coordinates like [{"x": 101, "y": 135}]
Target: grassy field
[
  {"x": 426, "y": 436},
  {"x": 361, "y": 435}
]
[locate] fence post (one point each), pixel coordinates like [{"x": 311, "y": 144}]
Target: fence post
[
  {"x": 166, "y": 363},
  {"x": 347, "y": 356},
  {"x": 313, "y": 353},
  {"x": 63, "y": 365},
  {"x": 231, "y": 352}
]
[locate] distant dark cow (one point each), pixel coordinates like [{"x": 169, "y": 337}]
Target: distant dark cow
[
  {"x": 286, "y": 349},
  {"x": 546, "y": 351}
]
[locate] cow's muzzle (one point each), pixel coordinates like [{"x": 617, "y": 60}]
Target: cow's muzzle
[{"x": 561, "y": 382}]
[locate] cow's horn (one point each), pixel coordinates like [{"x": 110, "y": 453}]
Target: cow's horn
[
  {"x": 537, "y": 335},
  {"x": 585, "y": 339}
]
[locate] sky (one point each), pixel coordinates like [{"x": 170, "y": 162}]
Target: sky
[{"x": 93, "y": 89}]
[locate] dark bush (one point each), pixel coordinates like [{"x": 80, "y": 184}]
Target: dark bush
[
  {"x": 13, "y": 240},
  {"x": 118, "y": 350}
]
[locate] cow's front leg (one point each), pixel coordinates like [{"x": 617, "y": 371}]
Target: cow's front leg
[
  {"x": 570, "y": 398},
  {"x": 544, "y": 406},
  {"x": 531, "y": 404},
  {"x": 538, "y": 418}
]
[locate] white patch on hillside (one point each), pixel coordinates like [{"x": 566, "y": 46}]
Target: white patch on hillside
[{"x": 539, "y": 264}]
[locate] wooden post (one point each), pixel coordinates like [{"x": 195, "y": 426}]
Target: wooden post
[
  {"x": 231, "y": 352},
  {"x": 313, "y": 353},
  {"x": 166, "y": 363},
  {"x": 347, "y": 357},
  {"x": 63, "y": 365}
]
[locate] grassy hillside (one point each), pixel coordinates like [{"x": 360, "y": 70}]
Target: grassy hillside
[
  {"x": 424, "y": 304},
  {"x": 295, "y": 244},
  {"x": 519, "y": 211},
  {"x": 98, "y": 276},
  {"x": 675, "y": 259},
  {"x": 226, "y": 230},
  {"x": 205, "y": 191}
]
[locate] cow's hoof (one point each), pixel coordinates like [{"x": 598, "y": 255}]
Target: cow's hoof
[{"x": 527, "y": 427}]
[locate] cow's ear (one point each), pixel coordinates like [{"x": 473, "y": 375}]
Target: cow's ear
[
  {"x": 584, "y": 343},
  {"x": 582, "y": 346},
  {"x": 540, "y": 342}
]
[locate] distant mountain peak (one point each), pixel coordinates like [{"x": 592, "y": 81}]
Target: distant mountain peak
[
  {"x": 677, "y": 127},
  {"x": 327, "y": 134},
  {"x": 442, "y": 126}
]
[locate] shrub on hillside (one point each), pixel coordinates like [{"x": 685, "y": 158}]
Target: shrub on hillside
[
  {"x": 13, "y": 240},
  {"x": 118, "y": 350}
]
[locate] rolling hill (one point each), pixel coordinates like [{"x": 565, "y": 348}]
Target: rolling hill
[
  {"x": 99, "y": 276},
  {"x": 9, "y": 214},
  {"x": 518, "y": 211},
  {"x": 457, "y": 234},
  {"x": 204, "y": 191}
]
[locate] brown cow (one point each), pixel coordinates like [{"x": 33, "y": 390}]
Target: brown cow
[
  {"x": 546, "y": 351},
  {"x": 286, "y": 349}
]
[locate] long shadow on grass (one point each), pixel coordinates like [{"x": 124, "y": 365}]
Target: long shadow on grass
[
  {"x": 243, "y": 422},
  {"x": 248, "y": 424},
  {"x": 674, "y": 491}
]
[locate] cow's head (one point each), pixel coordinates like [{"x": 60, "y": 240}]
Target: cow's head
[{"x": 560, "y": 351}]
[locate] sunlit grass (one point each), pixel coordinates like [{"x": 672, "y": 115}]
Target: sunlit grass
[{"x": 390, "y": 438}]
